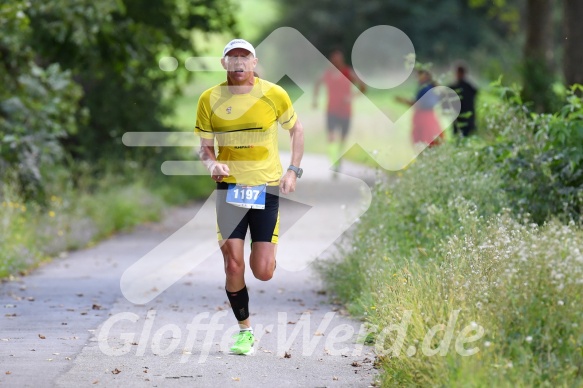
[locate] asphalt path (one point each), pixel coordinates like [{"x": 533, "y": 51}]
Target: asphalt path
[{"x": 74, "y": 322}]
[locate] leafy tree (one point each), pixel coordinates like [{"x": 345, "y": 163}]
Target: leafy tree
[
  {"x": 573, "y": 14},
  {"x": 38, "y": 106},
  {"x": 112, "y": 48},
  {"x": 537, "y": 71},
  {"x": 440, "y": 30}
]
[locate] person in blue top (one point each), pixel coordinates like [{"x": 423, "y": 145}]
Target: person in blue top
[{"x": 426, "y": 127}]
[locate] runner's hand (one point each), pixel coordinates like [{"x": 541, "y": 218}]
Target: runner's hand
[
  {"x": 219, "y": 171},
  {"x": 288, "y": 182}
]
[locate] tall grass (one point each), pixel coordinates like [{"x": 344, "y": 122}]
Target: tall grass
[
  {"x": 79, "y": 215},
  {"x": 440, "y": 239}
]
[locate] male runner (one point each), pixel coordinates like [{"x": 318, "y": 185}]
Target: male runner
[
  {"x": 242, "y": 115},
  {"x": 338, "y": 79}
]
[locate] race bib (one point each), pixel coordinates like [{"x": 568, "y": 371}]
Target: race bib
[{"x": 250, "y": 197}]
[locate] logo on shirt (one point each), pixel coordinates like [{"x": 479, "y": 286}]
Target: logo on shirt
[{"x": 228, "y": 110}]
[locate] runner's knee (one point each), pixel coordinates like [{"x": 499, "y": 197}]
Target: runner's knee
[
  {"x": 263, "y": 274},
  {"x": 263, "y": 270},
  {"x": 234, "y": 268}
]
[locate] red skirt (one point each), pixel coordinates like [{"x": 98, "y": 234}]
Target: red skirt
[{"x": 426, "y": 128}]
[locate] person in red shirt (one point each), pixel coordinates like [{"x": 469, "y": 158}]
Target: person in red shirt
[
  {"x": 426, "y": 127},
  {"x": 338, "y": 79}
]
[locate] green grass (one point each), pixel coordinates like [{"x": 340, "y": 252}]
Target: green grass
[
  {"x": 76, "y": 217},
  {"x": 438, "y": 238}
]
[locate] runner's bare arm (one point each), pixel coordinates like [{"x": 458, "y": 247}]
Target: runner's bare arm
[
  {"x": 209, "y": 159},
  {"x": 357, "y": 81},
  {"x": 296, "y": 133}
]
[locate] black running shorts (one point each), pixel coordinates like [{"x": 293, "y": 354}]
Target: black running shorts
[
  {"x": 233, "y": 221},
  {"x": 337, "y": 123}
]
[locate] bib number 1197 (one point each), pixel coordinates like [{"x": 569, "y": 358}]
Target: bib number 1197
[{"x": 250, "y": 197}]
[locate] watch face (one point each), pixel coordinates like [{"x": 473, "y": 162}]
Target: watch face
[{"x": 300, "y": 172}]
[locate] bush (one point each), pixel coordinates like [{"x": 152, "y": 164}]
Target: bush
[
  {"x": 442, "y": 237},
  {"x": 540, "y": 156},
  {"x": 412, "y": 213}
]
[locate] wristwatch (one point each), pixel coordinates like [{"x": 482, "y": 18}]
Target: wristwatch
[{"x": 297, "y": 170}]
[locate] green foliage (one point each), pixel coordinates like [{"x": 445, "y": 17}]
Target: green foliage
[
  {"x": 112, "y": 47},
  {"x": 439, "y": 238},
  {"x": 77, "y": 75},
  {"x": 540, "y": 156},
  {"x": 412, "y": 212},
  {"x": 77, "y": 214},
  {"x": 38, "y": 106},
  {"x": 442, "y": 31}
]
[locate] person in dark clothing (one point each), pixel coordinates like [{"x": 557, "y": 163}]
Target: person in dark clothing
[{"x": 465, "y": 124}]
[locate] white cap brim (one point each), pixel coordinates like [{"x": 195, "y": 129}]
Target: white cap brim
[{"x": 239, "y": 43}]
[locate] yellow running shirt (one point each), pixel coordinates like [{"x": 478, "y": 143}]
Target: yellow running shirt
[{"x": 245, "y": 126}]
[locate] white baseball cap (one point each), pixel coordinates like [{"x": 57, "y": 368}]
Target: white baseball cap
[{"x": 239, "y": 43}]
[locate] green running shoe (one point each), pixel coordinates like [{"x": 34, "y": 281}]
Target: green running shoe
[{"x": 243, "y": 343}]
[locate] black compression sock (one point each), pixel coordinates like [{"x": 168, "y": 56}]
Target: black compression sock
[{"x": 239, "y": 303}]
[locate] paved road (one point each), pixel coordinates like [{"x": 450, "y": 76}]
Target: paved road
[{"x": 68, "y": 324}]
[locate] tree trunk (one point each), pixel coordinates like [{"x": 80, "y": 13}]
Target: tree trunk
[
  {"x": 537, "y": 73},
  {"x": 573, "y": 57}
]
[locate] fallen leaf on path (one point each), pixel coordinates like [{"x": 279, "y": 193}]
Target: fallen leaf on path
[
  {"x": 96, "y": 382},
  {"x": 355, "y": 364},
  {"x": 291, "y": 323},
  {"x": 8, "y": 372},
  {"x": 267, "y": 351},
  {"x": 68, "y": 358},
  {"x": 335, "y": 378},
  {"x": 30, "y": 299},
  {"x": 10, "y": 315},
  {"x": 42, "y": 336},
  {"x": 116, "y": 371},
  {"x": 236, "y": 378},
  {"x": 287, "y": 355},
  {"x": 96, "y": 307},
  {"x": 56, "y": 354},
  {"x": 318, "y": 334}
]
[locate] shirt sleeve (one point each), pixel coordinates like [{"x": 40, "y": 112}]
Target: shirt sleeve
[
  {"x": 203, "y": 127},
  {"x": 286, "y": 115}
]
